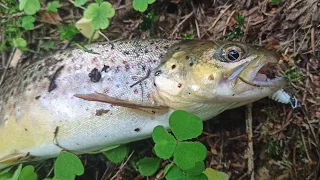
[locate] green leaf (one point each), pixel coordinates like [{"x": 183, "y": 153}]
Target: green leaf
[
  {"x": 240, "y": 19},
  {"x": 148, "y": 165},
  {"x": 184, "y": 125},
  {"x": 187, "y": 154},
  {"x": 79, "y": 3},
  {"x": 67, "y": 166},
  {"x": 197, "y": 177},
  {"x": 275, "y": 2},
  {"x": 53, "y": 6},
  {"x": 27, "y": 22},
  {"x": 213, "y": 174},
  {"x": 174, "y": 173},
  {"x": 48, "y": 45},
  {"x": 27, "y": 173},
  {"x": 16, "y": 173},
  {"x": 6, "y": 174},
  {"x": 99, "y": 1},
  {"x": 197, "y": 169},
  {"x": 165, "y": 142},
  {"x": 117, "y": 155},
  {"x": 19, "y": 43},
  {"x": 99, "y": 14},
  {"x": 140, "y": 5},
  {"x": 67, "y": 32},
  {"x": 30, "y": 7}
]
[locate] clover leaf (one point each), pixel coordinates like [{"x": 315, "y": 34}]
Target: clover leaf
[
  {"x": 27, "y": 173},
  {"x": 184, "y": 125},
  {"x": 117, "y": 155},
  {"x": 174, "y": 173},
  {"x": 53, "y": 6},
  {"x": 20, "y": 43},
  {"x": 148, "y": 165},
  {"x": 30, "y": 7},
  {"x": 197, "y": 169},
  {"x": 99, "y": 14},
  {"x": 27, "y": 22},
  {"x": 187, "y": 154},
  {"x": 142, "y": 5},
  {"x": 79, "y": 3},
  {"x": 67, "y": 166},
  {"x": 165, "y": 142}
]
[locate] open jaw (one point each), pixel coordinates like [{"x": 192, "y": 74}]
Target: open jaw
[{"x": 260, "y": 76}]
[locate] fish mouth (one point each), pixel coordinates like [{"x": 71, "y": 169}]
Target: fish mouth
[{"x": 258, "y": 73}]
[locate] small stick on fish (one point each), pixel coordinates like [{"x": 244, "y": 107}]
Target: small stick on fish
[
  {"x": 250, "y": 143},
  {"x": 247, "y": 82},
  {"x": 55, "y": 140},
  {"x": 142, "y": 79}
]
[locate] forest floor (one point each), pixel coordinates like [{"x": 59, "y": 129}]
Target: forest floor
[{"x": 286, "y": 141}]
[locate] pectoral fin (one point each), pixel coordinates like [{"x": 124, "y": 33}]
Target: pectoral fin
[{"x": 119, "y": 102}]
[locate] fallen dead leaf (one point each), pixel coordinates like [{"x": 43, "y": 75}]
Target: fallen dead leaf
[{"x": 50, "y": 18}]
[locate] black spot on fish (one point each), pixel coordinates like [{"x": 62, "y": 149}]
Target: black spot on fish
[
  {"x": 146, "y": 51},
  {"x": 25, "y": 129},
  {"x": 173, "y": 66},
  {"x": 40, "y": 67},
  {"x": 112, "y": 46},
  {"x": 126, "y": 52},
  {"x": 137, "y": 129},
  {"x": 100, "y": 112},
  {"x": 155, "y": 84},
  {"x": 177, "y": 48},
  {"x": 95, "y": 75},
  {"x": 105, "y": 68},
  {"x": 37, "y": 97},
  {"x": 166, "y": 46},
  {"x": 53, "y": 78}
]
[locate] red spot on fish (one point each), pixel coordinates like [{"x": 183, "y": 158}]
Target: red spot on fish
[
  {"x": 29, "y": 89},
  {"x": 136, "y": 91},
  {"x": 124, "y": 62},
  {"x": 127, "y": 67},
  {"x": 179, "y": 85},
  {"x": 6, "y": 119},
  {"x": 94, "y": 59},
  {"x": 155, "y": 61}
]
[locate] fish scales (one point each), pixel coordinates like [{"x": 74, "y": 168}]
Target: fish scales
[
  {"x": 114, "y": 93},
  {"x": 30, "y": 114}
]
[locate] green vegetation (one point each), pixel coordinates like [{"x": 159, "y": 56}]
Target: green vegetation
[
  {"x": 99, "y": 14},
  {"x": 53, "y": 6},
  {"x": 186, "y": 157},
  {"x": 275, "y": 2},
  {"x": 238, "y": 29},
  {"x": 142, "y": 5},
  {"x": 292, "y": 74}
]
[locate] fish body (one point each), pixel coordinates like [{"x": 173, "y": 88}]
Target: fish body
[{"x": 118, "y": 92}]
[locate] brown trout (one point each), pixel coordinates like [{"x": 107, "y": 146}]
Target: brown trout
[{"x": 115, "y": 93}]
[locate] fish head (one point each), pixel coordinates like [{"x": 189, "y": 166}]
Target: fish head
[{"x": 215, "y": 73}]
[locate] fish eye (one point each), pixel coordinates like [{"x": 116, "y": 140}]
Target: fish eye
[{"x": 232, "y": 54}]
